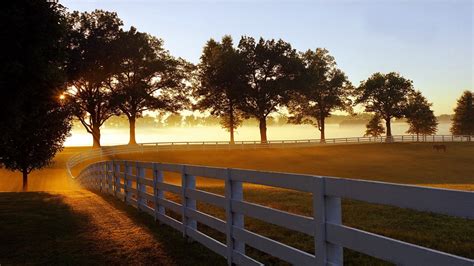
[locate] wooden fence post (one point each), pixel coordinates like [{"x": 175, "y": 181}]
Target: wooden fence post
[
  {"x": 117, "y": 178},
  {"x": 98, "y": 173},
  {"x": 110, "y": 178},
  {"x": 325, "y": 210},
  {"x": 233, "y": 192},
  {"x": 187, "y": 181},
  {"x": 141, "y": 188},
  {"x": 157, "y": 193},
  {"x": 127, "y": 182}
]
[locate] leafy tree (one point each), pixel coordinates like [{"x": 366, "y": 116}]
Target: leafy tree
[
  {"x": 374, "y": 127},
  {"x": 325, "y": 89},
  {"x": 385, "y": 95},
  {"x": 147, "y": 77},
  {"x": 92, "y": 61},
  {"x": 220, "y": 83},
  {"x": 34, "y": 123},
  {"x": 463, "y": 120},
  {"x": 273, "y": 69},
  {"x": 174, "y": 120},
  {"x": 420, "y": 117}
]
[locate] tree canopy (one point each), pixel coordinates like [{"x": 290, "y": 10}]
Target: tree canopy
[
  {"x": 273, "y": 69},
  {"x": 420, "y": 117},
  {"x": 324, "y": 89},
  {"x": 463, "y": 120},
  {"x": 146, "y": 77},
  {"x": 92, "y": 60},
  {"x": 34, "y": 123},
  {"x": 374, "y": 128},
  {"x": 385, "y": 95},
  {"x": 221, "y": 83}
]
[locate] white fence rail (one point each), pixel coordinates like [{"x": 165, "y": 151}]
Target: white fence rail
[
  {"x": 215, "y": 145},
  {"x": 141, "y": 184}
]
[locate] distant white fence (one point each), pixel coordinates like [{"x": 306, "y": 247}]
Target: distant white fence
[
  {"x": 141, "y": 184},
  {"x": 94, "y": 154}
]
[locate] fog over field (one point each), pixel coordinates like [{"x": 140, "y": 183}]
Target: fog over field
[{"x": 118, "y": 136}]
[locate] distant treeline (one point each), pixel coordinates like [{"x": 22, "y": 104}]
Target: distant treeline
[{"x": 177, "y": 120}]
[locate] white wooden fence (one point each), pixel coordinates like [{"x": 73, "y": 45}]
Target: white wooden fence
[
  {"x": 215, "y": 145},
  {"x": 141, "y": 184}
]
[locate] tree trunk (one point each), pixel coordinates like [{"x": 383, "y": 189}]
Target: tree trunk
[
  {"x": 263, "y": 130},
  {"x": 417, "y": 137},
  {"x": 131, "y": 121},
  {"x": 96, "y": 137},
  {"x": 322, "y": 129},
  {"x": 389, "y": 130},
  {"x": 231, "y": 124},
  {"x": 25, "y": 179},
  {"x": 232, "y": 135}
]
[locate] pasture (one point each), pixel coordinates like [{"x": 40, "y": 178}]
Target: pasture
[{"x": 399, "y": 163}]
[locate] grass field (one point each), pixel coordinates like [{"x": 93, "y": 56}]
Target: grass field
[
  {"x": 398, "y": 163},
  {"x": 40, "y": 228}
]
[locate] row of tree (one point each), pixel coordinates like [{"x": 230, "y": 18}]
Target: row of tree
[
  {"x": 58, "y": 65},
  {"x": 112, "y": 72}
]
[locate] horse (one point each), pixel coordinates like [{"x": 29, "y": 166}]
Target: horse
[{"x": 439, "y": 147}]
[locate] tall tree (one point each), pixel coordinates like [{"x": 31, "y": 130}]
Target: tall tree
[
  {"x": 220, "y": 83},
  {"x": 463, "y": 120},
  {"x": 92, "y": 61},
  {"x": 273, "y": 68},
  {"x": 325, "y": 88},
  {"x": 374, "y": 128},
  {"x": 147, "y": 77},
  {"x": 385, "y": 95},
  {"x": 33, "y": 122},
  {"x": 420, "y": 117}
]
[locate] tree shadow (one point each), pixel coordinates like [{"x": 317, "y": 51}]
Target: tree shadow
[{"x": 40, "y": 228}]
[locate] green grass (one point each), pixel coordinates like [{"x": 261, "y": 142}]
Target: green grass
[
  {"x": 41, "y": 228},
  {"x": 58, "y": 230},
  {"x": 398, "y": 163}
]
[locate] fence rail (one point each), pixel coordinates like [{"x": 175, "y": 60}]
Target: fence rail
[
  {"x": 142, "y": 185},
  {"x": 215, "y": 145}
]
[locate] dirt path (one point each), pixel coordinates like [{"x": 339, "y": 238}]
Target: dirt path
[{"x": 115, "y": 232}]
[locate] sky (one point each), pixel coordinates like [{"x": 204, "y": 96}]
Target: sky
[{"x": 429, "y": 42}]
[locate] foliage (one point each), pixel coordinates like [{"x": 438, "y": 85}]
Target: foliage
[
  {"x": 146, "y": 77},
  {"x": 374, "y": 127},
  {"x": 420, "y": 117},
  {"x": 385, "y": 95},
  {"x": 463, "y": 120},
  {"x": 91, "y": 63},
  {"x": 273, "y": 69},
  {"x": 221, "y": 83},
  {"x": 325, "y": 88},
  {"x": 33, "y": 124}
]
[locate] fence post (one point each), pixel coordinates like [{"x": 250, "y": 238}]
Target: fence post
[
  {"x": 187, "y": 181},
  {"x": 233, "y": 192},
  {"x": 325, "y": 209},
  {"x": 126, "y": 181},
  {"x": 141, "y": 188},
  {"x": 98, "y": 173},
  {"x": 110, "y": 178},
  {"x": 116, "y": 175},
  {"x": 157, "y": 193}
]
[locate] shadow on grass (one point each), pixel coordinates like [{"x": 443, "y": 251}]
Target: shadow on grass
[
  {"x": 178, "y": 248},
  {"x": 40, "y": 228}
]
